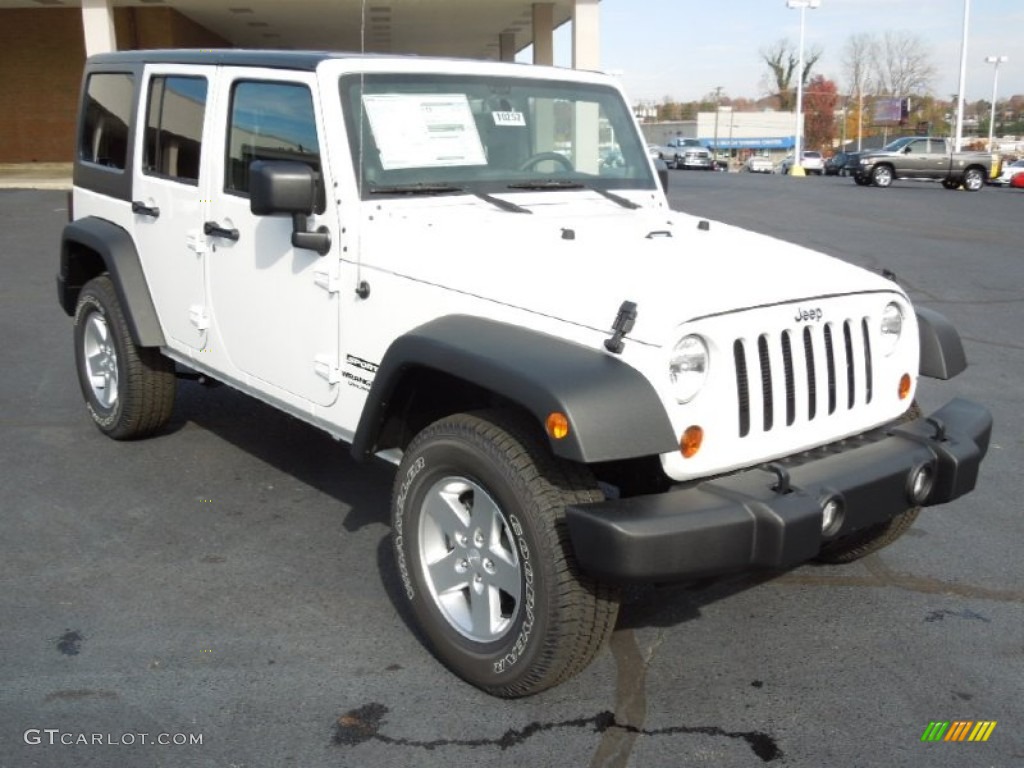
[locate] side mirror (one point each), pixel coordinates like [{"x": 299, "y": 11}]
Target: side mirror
[
  {"x": 661, "y": 168},
  {"x": 290, "y": 188},
  {"x": 906, "y": 150}
]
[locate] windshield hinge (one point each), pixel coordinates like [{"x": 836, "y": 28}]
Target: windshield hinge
[
  {"x": 326, "y": 367},
  {"x": 329, "y": 279}
]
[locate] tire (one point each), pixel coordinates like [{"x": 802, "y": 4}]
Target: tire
[
  {"x": 881, "y": 176},
  {"x": 860, "y": 181},
  {"x": 128, "y": 390},
  {"x": 974, "y": 179},
  {"x": 485, "y": 559},
  {"x": 950, "y": 184},
  {"x": 862, "y": 543}
]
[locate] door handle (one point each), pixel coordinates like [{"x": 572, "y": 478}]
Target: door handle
[
  {"x": 213, "y": 229},
  {"x": 145, "y": 210}
]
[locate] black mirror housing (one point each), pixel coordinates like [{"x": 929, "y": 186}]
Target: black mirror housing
[
  {"x": 661, "y": 168},
  {"x": 281, "y": 187}
]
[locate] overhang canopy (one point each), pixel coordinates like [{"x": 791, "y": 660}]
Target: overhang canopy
[{"x": 463, "y": 28}]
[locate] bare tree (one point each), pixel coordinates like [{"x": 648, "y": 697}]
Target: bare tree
[
  {"x": 782, "y": 59},
  {"x": 903, "y": 65},
  {"x": 859, "y": 56}
]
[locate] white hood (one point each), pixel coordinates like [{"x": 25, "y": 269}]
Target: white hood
[{"x": 580, "y": 255}]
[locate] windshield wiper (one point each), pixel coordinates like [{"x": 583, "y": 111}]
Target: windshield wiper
[
  {"x": 558, "y": 184},
  {"x": 441, "y": 189}
]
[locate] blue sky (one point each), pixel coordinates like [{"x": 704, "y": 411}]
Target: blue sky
[{"x": 685, "y": 48}]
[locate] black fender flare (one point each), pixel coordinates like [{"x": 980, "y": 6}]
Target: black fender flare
[
  {"x": 116, "y": 249},
  {"x": 942, "y": 352},
  {"x": 613, "y": 411}
]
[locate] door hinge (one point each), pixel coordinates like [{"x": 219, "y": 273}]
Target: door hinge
[
  {"x": 326, "y": 367},
  {"x": 196, "y": 241},
  {"x": 198, "y": 317},
  {"x": 329, "y": 279}
]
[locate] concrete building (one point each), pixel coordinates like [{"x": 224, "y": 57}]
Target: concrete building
[{"x": 43, "y": 43}]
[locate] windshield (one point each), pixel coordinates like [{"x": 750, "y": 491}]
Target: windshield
[
  {"x": 898, "y": 144},
  {"x": 434, "y": 133}
]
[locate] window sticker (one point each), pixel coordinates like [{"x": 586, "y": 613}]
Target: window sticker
[
  {"x": 509, "y": 118},
  {"x": 419, "y": 130}
]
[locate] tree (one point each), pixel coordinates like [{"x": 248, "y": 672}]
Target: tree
[
  {"x": 782, "y": 59},
  {"x": 859, "y": 55},
  {"x": 903, "y": 65},
  {"x": 821, "y": 99}
]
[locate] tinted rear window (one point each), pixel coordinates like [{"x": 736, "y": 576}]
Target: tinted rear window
[{"x": 107, "y": 115}]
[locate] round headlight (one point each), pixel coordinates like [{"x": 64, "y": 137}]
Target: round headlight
[
  {"x": 688, "y": 367},
  {"x": 891, "y": 327}
]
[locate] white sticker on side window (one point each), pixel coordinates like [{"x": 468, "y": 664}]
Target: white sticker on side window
[{"x": 508, "y": 118}]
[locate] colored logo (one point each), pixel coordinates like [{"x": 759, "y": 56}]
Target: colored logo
[{"x": 958, "y": 730}]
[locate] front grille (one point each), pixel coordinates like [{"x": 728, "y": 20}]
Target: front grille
[{"x": 810, "y": 373}]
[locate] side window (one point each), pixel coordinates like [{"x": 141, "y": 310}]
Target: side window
[
  {"x": 269, "y": 121},
  {"x": 939, "y": 147},
  {"x": 107, "y": 114},
  {"x": 174, "y": 127}
]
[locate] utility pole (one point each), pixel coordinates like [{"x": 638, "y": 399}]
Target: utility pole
[{"x": 718, "y": 102}]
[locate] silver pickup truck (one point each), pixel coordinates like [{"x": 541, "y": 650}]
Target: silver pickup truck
[
  {"x": 687, "y": 153},
  {"x": 923, "y": 157}
]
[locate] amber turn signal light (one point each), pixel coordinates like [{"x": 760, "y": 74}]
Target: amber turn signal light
[
  {"x": 904, "y": 391},
  {"x": 557, "y": 425},
  {"x": 690, "y": 442}
]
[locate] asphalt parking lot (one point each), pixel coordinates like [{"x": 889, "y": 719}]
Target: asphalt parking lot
[{"x": 232, "y": 579}]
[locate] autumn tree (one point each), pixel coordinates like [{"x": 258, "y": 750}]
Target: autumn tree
[
  {"x": 821, "y": 97},
  {"x": 782, "y": 60}
]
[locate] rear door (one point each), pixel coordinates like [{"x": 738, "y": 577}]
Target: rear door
[
  {"x": 170, "y": 194},
  {"x": 275, "y": 308}
]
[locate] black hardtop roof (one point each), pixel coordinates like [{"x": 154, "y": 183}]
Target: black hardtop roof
[{"x": 238, "y": 57}]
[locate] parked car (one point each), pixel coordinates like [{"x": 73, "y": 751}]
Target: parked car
[
  {"x": 549, "y": 444},
  {"x": 1017, "y": 182},
  {"x": 758, "y": 164},
  {"x": 836, "y": 165},
  {"x": 1010, "y": 172},
  {"x": 811, "y": 161}
]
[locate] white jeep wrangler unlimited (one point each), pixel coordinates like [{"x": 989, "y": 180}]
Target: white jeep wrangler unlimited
[{"x": 434, "y": 261}]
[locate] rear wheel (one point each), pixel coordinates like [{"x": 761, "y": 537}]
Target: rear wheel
[
  {"x": 974, "y": 179},
  {"x": 950, "y": 184},
  {"x": 484, "y": 555},
  {"x": 875, "y": 537},
  {"x": 129, "y": 390}
]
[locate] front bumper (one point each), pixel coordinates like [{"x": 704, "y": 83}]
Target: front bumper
[{"x": 751, "y": 520}]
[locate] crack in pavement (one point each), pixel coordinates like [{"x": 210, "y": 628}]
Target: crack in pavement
[{"x": 358, "y": 726}]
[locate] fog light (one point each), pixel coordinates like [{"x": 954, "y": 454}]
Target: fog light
[
  {"x": 831, "y": 516},
  {"x": 920, "y": 482}
]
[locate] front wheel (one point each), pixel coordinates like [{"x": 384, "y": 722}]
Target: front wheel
[
  {"x": 882, "y": 176},
  {"x": 950, "y": 184},
  {"x": 484, "y": 555},
  {"x": 129, "y": 390}
]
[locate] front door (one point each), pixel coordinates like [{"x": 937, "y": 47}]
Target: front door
[
  {"x": 275, "y": 307},
  {"x": 168, "y": 200}
]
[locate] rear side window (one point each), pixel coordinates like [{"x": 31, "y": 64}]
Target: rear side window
[
  {"x": 269, "y": 121},
  {"x": 107, "y": 115},
  {"x": 174, "y": 127}
]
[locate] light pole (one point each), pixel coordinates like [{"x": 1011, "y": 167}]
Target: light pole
[
  {"x": 797, "y": 168},
  {"x": 996, "y": 61},
  {"x": 958, "y": 144}
]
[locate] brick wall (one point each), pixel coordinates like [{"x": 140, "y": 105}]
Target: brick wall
[{"x": 42, "y": 51}]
